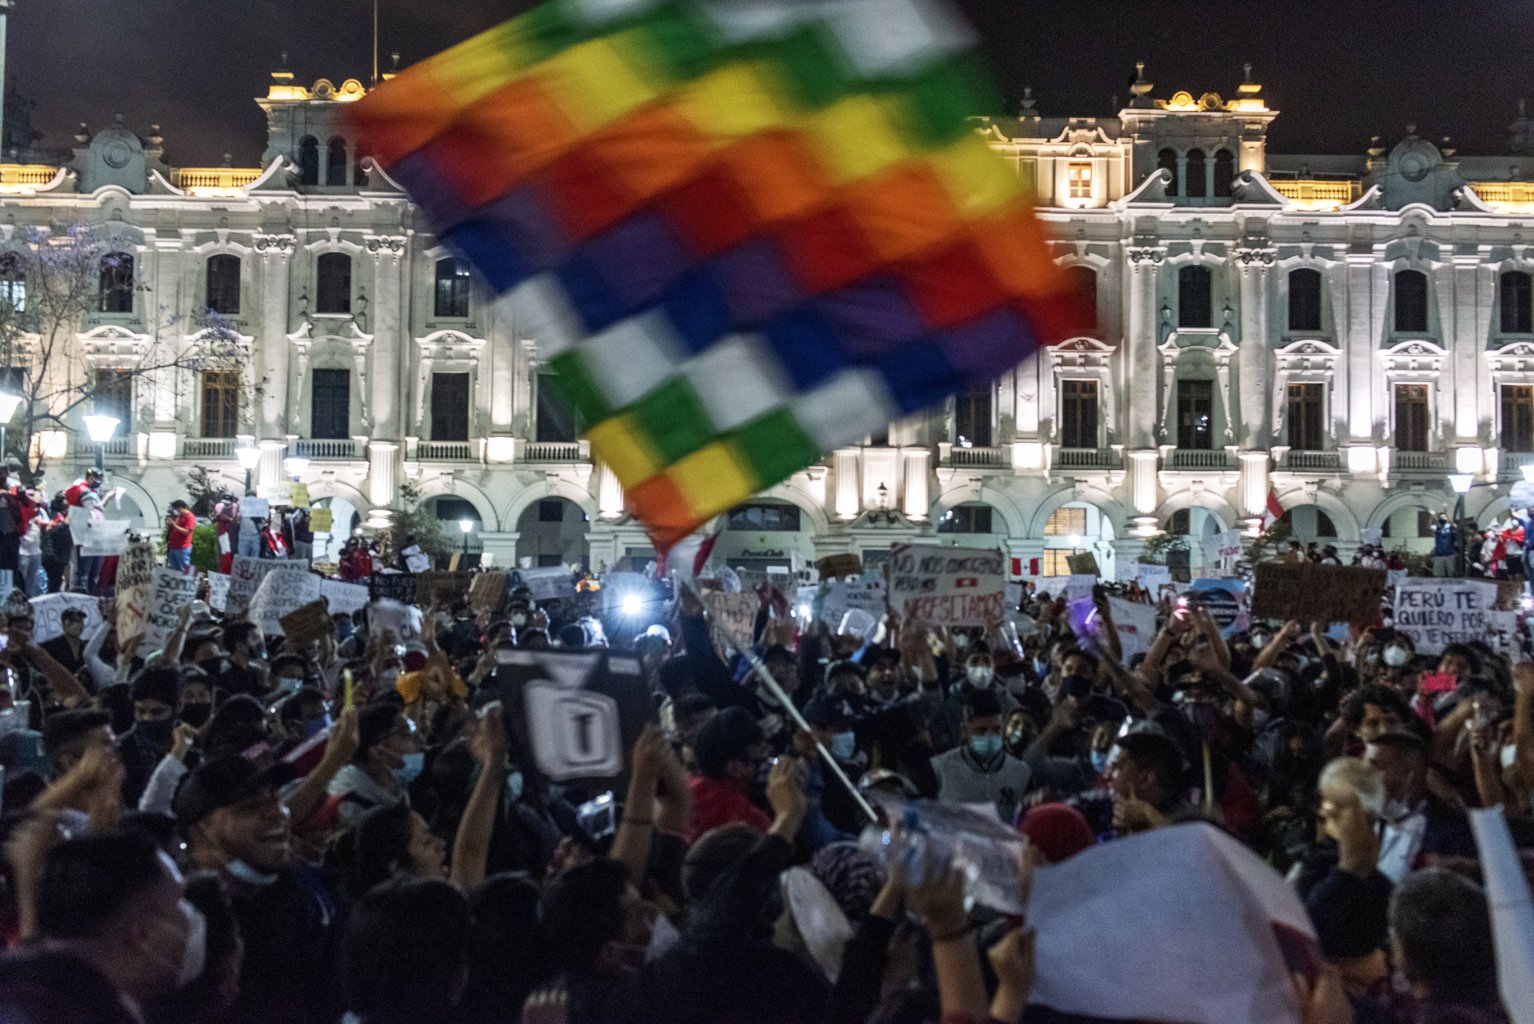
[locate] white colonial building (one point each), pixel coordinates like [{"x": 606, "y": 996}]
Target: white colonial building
[{"x": 1345, "y": 330}]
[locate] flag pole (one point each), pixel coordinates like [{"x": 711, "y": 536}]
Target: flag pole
[
  {"x": 765, "y": 678},
  {"x": 375, "y": 42}
]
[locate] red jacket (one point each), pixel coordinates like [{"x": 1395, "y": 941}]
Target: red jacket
[
  {"x": 75, "y": 493},
  {"x": 716, "y": 803},
  {"x": 178, "y": 537}
]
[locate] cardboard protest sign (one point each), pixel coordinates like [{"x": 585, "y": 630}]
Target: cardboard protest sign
[
  {"x": 218, "y": 591},
  {"x": 445, "y": 587},
  {"x": 321, "y": 520},
  {"x": 343, "y": 597},
  {"x": 101, "y": 537},
  {"x": 1084, "y": 564},
  {"x": 298, "y": 497},
  {"x": 1135, "y": 625},
  {"x": 308, "y": 622},
  {"x": 245, "y": 576},
  {"x": 135, "y": 579},
  {"x": 732, "y": 615},
  {"x": 487, "y": 590},
  {"x": 548, "y": 583},
  {"x": 839, "y": 565},
  {"x": 1317, "y": 593},
  {"x": 575, "y": 716},
  {"x": 282, "y": 591},
  {"x": 169, "y": 592},
  {"x": 946, "y": 586},
  {"x": 1438, "y": 612},
  {"x": 392, "y": 586},
  {"x": 1508, "y": 593},
  {"x": 47, "y": 612}
]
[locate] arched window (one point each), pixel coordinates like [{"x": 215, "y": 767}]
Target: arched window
[
  {"x": 1224, "y": 171},
  {"x": 1305, "y": 299},
  {"x": 1198, "y": 185},
  {"x": 1166, "y": 160},
  {"x": 1517, "y": 312},
  {"x": 335, "y": 169},
  {"x": 1411, "y": 302},
  {"x": 452, "y": 296},
  {"x": 1083, "y": 285},
  {"x": 13, "y": 282},
  {"x": 334, "y": 291},
  {"x": 1195, "y": 299},
  {"x": 309, "y": 161},
  {"x": 116, "y": 291},
  {"x": 224, "y": 284}
]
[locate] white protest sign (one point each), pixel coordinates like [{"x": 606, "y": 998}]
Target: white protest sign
[
  {"x": 946, "y": 586},
  {"x": 402, "y": 620},
  {"x": 1079, "y": 587},
  {"x": 135, "y": 579},
  {"x": 1371, "y": 535},
  {"x": 245, "y": 575},
  {"x": 255, "y": 508},
  {"x": 856, "y": 622},
  {"x": 101, "y": 537},
  {"x": 732, "y": 615},
  {"x": 218, "y": 591},
  {"x": 1228, "y": 544},
  {"x": 548, "y": 582},
  {"x": 1502, "y": 634},
  {"x": 344, "y": 597},
  {"x": 170, "y": 592},
  {"x": 842, "y": 596},
  {"x": 1135, "y": 624},
  {"x": 280, "y": 592},
  {"x": 47, "y": 612},
  {"x": 1438, "y": 612},
  {"x": 1151, "y": 577}
]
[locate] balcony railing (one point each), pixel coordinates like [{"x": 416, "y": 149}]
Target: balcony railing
[
  {"x": 1316, "y": 462},
  {"x": 1510, "y": 464},
  {"x": 208, "y": 448},
  {"x": 213, "y": 180},
  {"x": 1199, "y": 458},
  {"x": 1086, "y": 458},
  {"x": 556, "y": 451},
  {"x": 445, "y": 451},
  {"x": 324, "y": 448},
  {"x": 24, "y": 178},
  {"x": 1506, "y": 196},
  {"x": 1316, "y": 194},
  {"x": 1420, "y": 462},
  {"x": 978, "y": 458}
]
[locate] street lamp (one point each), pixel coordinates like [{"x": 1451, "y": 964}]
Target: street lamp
[
  {"x": 467, "y": 526},
  {"x": 1527, "y": 467},
  {"x": 1461, "y": 483},
  {"x": 249, "y": 456},
  {"x": 9, "y": 403},
  {"x": 295, "y": 465},
  {"x": 101, "y": 427}
]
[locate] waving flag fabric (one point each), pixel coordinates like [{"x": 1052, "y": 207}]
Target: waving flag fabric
[{"x": 742, "y": 232}]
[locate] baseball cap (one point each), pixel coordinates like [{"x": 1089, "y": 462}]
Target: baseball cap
[{"x": 223, "y": 782}]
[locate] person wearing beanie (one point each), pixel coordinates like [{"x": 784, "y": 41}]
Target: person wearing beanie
[
  {"x": 156, "y": 696},
  {"x": 730, "y": 751},
  {"x": 1057, "y": 831}
]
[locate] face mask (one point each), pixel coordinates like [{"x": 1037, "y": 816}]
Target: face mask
[
  {"x": 1016, "y": 738},
  {"x": 157, "y": 732},
  {"x": 287, "y": 686},
  {"x": 195, "y": 956},
  {"x": 985, "y": 747},
  {"x": 514, "y": 784},
  {"x": 1509, "y": 756},
  {"x": 1100, "y": 760},
  {"x": 316, "y": 725},
  {"x": 1395, "y": 656},
  {"x": 843, "y": 746},
  {"x": 408, "y": 772},
  {"x": 1259, "y": 641},
  {"x": 979, "y": 675},
  {"x": 196, "y": 715},
  {"x": 243, "y": 872}
]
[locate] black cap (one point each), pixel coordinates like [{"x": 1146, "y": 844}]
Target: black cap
[
  {"x": 825, "y": 714},
  {"x": 726, "y": 737},
  {"x": 224, "y": 782},
  {"x": 64, "y": 727}
]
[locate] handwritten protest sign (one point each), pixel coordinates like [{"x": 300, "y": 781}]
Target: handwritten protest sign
[
  {"x": 1439, "y": 612},
  {"x": 445, "y": 587},
  {"x": 218, "y": 591},
  {"x": 1502, "y": 634},
  {"x": 47, "y": 612},
  {"x": 344, "y": 598},
  {"x": 392, "y": 586},
  {"x": 101, "y": 537},
  {"x": 487, "y": 590},
  {"x": 1084, "y": 564},
  {"x": 298, "y": 497},
  {"x": 245, "y": 576},
  {"x": 255, "y": 508},
  {"x": 732, "y": 615},
  {"x": 1151, "y": 577},
  {"x": 1317, "y": 593},
  {"x": 548, "y": 582},
  {"x": 403, "y": 620},
  {"x": 842, "y": 596},
  {"x": 839, "y": 565},
  {"x": 135, "y": 579},
  {"x": 169, "y": 593},
  {"x": 946, "y": 586},
  {"x": 282, "y": 591},
  {"x": 321, "y": 520},
  {"x": 308, "y": 622},
  {"x": 1135, "y": 625}
]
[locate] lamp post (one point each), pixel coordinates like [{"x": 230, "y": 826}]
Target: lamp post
[
  {"x": 1527, "y": 468},
  {"x": 101, "y": 427},
  {"x": 467, "y": 526},
  {"x": 9, "y": 403},
  {"x": 249, "y": 456},
  {"x": 1461, "y": 482},
  {"x": 295, "y": 466}
]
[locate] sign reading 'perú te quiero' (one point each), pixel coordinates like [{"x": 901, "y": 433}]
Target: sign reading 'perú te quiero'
[{"x": 946, "y": 586}]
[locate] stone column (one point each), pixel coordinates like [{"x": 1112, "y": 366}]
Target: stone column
[
  {"x": 383, "y": 473},
  {"x": 845, "y": 462},
  {"x": 916, "y": 501},
  {"x": 1254, "y": 482},
  {"x": 1368, "y": 296},
  {"x": 1144, "y": 487},
  {"x": 389, "y": 354},
  {"x": 1460, "y": 321},
  {"x": 609, "y": 492},
  {"x": 275, "y": 253},
  {"x": 1253, "y": 355},
  {"x": 1141, "y": 342}
]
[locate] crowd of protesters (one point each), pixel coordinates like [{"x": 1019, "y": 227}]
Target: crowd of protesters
[{"x": 237, "y": 828}]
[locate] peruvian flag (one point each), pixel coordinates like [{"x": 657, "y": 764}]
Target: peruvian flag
[
  {"x": 689, "y": 555},
  {"x": 1272, "y": 513}
]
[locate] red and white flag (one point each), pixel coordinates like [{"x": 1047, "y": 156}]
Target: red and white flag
[{"x": 1272, "y": 513}]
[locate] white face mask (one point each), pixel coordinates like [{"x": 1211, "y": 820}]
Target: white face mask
[
  {"x": 1395, "y": 656},
  {"x": 243, "y": 872},
  {"x": 195, "y": 956},
  {"x": 979, "y": 675},
  {"x": 1509, "y": 756}
]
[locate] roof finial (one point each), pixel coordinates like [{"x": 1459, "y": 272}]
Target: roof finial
[{"x": 1246, "y": 72}]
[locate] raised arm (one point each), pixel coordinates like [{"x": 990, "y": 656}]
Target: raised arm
[
  {"x": 631, "y": 846},
  {"x": 471, "y": 848}
]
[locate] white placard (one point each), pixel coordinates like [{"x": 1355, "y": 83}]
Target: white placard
[
  {"x": 1371, "y": 535},
  {"x": 169, "y": 593},
  {"x": 1502, "y": 634},
  {"x": 1079, "y": 587},
  {"x": 1135, "y": 625},
  {"x": 218, "y": 591},
  {"x": 281, "y": 591},
  {"x": 101, "y": 537},
  {"x": 255, "y": 508},
  {"x": 1438, "y": 612},
  {"x": 344, "y": 597},
  {"x": 245, "y": 576},
  {"x": 548, "y": 582},
  {"x": 842, "y": 596},
  {"x": 1151, "y": 577},
  {"x": 47, "y": 612},
  {"x": 946, "y": 586}
]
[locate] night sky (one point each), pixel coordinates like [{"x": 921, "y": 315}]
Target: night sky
[{"x": 1338, "y": 71}]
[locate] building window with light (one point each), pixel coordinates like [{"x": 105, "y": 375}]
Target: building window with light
[
  {"x": 1411, "y": 417},
  {"x": 452, "y": 292},
  {"x": 764, "y": 517},
  {"x": 1517, "y": 418},
  {"x": 220, "y": 403},
  {"x": 966, "y": 519},
  {"x": 1078, "y": 178},
  {"x": 1195, "y": 414}
]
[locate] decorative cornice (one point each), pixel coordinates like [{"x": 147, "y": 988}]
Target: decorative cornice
[
  {"x": 274, "y": 245},
  {"x": 394, "y": 245},
  {"x": 1152, "y": 254},
  {"x": 1256, "y": 257}
]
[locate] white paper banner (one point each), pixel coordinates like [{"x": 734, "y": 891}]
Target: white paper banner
[
  {"x": 344, "y": 597},
  {"x": 1438, "y": 612},
  {"x": 548, "y": 582},
  {"x": 1135, "y": 624},
  {"x": 280, "y": 592},
  {"x": 946, "y": 586},
  {"x": 170, "y": 592},
  {"x": 48, "y": 609}
]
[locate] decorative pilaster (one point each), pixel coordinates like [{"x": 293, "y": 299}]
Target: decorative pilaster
[
  {"x": 276, "y": 259},
  {"x": 383, "y": 473},
  {"x": 916, "y": 501},
  {"x": 1142, "y": 341},
  {"x": 389, "y": 354},
  {"x": 845, "y": 462},
  {"x": 1253, "y": 264}
]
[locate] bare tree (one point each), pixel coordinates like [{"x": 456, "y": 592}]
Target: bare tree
[{"x": 52, "y": 280}]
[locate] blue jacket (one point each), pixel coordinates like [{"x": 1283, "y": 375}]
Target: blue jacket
[{"x": 1445, "y": 540}]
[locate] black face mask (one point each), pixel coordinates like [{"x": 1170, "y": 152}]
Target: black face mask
[{"x": 196, "y": 715}]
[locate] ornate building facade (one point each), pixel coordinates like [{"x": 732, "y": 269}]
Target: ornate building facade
[{"x": 1343, "y": 330}]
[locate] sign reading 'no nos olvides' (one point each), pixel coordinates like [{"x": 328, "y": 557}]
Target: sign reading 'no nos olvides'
[{"x": 946, "y": 586}]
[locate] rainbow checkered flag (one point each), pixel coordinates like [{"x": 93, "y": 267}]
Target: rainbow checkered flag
[{"x": 742, "y": 232}]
